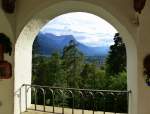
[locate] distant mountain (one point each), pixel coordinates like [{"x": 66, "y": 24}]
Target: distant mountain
[{"x": 46, "y": 44}]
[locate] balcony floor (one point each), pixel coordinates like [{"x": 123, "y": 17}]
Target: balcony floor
[{"x": 58, "y": 110}]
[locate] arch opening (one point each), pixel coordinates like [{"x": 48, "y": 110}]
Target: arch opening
[
  {"x": 90, "y": 38},
  {"x": 23, "y": 47}
]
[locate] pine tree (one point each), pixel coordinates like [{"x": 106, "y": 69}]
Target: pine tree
[
  {"x": 116, "y": 60},
  {"x": 73, "y": 61},
  {"x": 56, "y": 74}
]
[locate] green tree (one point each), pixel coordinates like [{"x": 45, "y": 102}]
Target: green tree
[
  {"x": 35, "y": 47},
  {"x": 88, "y": 76},
  {"x": 92, "y": 77},
  {"x": 119, "y": 82},
  {"x": 38, "y": 70},
  {"x": 100, "y": 79},
  {"x": 116, "y": 60},
  {"x": 56, "y": 74},
  {"x": 73, "y": 61},
  {"x": 48, "y": 71}
]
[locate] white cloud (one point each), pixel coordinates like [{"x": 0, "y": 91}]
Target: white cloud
[{"x": 86, "y": 28}]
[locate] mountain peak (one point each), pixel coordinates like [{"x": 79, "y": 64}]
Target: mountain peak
[{"x": 50, "y": 43}]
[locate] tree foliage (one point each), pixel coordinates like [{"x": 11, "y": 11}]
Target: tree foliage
[
  {"x": 73, "y": 61},
  {"x": 116, "y": 60},
  {"x": 49, "y": 71},
  {"x": 71, "y": 69}
]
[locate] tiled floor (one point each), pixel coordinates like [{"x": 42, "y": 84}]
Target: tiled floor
[{"x": 58, "y": 110}]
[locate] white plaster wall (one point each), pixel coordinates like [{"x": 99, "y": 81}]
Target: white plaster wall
[
  {"x": 143, "y": 50},
  {"x": 6, "y": 85},
  {"x": 23, "y": 62},
  {"x": 64, "y": 7},
  {"x": 122, "y": 11}
]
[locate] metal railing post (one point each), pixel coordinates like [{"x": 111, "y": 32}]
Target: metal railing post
[
  {"x": 35, "y": 100},
  {"x": 26, "y": 97},
  {"x": 20, "y": 100},
  {"x": 44, "y": 102},
  {"x": 62, "y": 101},
  {"x": 85, "y": 96},
  {"x": 104, "y": 103},
  {"x": 53, "y": 102},
  {"x": 115, "y": 103}
]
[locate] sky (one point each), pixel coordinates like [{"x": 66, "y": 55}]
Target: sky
[{"x": 87, "y": 28}]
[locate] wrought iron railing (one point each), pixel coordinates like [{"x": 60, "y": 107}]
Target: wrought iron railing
[{"x": 73, "y": 98}]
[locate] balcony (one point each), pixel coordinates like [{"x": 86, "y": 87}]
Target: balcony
[{"x": 58, "y": 100}]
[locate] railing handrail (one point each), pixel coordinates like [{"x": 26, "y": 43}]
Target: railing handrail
[
  {"x": 78, "y": 89},
  {"x": 89, "y": 97}
]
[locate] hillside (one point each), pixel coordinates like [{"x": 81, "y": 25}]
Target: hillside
[{"x": 46, "y": 44}]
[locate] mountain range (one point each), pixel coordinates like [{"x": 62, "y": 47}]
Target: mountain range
[{"x": 46, "y": 43}]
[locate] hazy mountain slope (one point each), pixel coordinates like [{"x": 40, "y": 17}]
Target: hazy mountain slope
[{"x": 46, "y": 44}]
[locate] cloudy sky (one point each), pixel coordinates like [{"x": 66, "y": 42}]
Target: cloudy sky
[{"x": 86, "y": 28}]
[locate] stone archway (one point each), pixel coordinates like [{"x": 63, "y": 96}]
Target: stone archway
[{"x": 23, "y": 47}]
